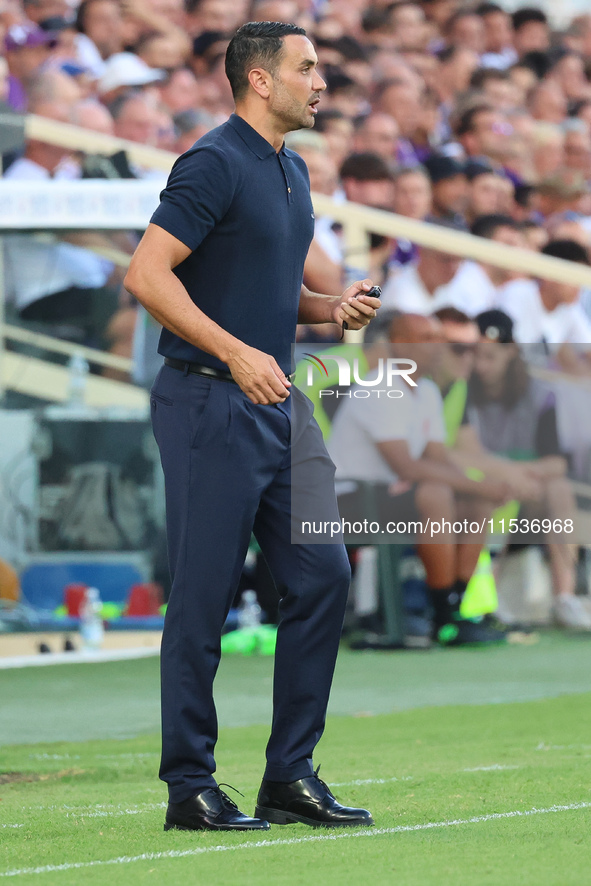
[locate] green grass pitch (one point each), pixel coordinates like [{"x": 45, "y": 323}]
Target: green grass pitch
[{"x": 475, "y": 764}]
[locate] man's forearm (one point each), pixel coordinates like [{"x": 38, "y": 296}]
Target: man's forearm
[
  {"x": 317, "y": 308},
  {"x": 427, "y": 469},
  {"x": 166, "y": 299}
]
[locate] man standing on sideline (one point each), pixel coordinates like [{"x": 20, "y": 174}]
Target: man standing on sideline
[{"x": 220, "y": 267}]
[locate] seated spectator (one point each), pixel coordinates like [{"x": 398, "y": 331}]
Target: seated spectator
[
  {"x": 548, "y": 150},
  {"x": 100, "y": 23},
  {"x": 577, "y": 146},
  {"x": 401, "y": 100},
  {"x": 497, "y": 88},
  {"x": 162, "y": 51},
  {"x": 53, "y": 86},
  {"x": 368, "y": 179},
  {"x": 456, "y": 67},
  {"x": 498, "y": 36},
  {"x": 398, "y": 446},
  {"x": 512, "y": 417},
  {"x": 461, "y": 335},
  {"x": 433, "y": 128},
  {"x": 407, "y": 22},
  {"x": 413, "y": 194},
  {"x": 62, "y": 288},
  {"x": 421, "y": 288},
  {"x": 180, "y": 91},
  {"x": 412, "y": 198},
  {"x": 568, "y": 72},
  {"x": 323, "y": 269},
  {"x": 547, "y": 103},
  {"x": 449, "y": 186},
  {"x": 190, "y": 126},
  {"x": 28, "y": 49},
  {"x": 465, "y": 29},
  {"x": 482, "y": 130},
  {"x": 123, "y": 72},
  {"x": 478, "y": 286},
  {"x": 137, "y": 119},
  {"x": 377, "y": 133},
  {"x": 338, "y": 132},
  {"x": 550, "y": 313},
  {"x": 485, "y": 184},
  {"x": 531, "y": 32}
]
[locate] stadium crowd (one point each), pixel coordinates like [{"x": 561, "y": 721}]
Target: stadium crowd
[
  {"x": 466, "y": 115},
  {"x": 461, "y": 114}
]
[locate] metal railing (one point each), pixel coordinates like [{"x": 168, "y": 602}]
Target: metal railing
[{"x": 357, "y": 221}]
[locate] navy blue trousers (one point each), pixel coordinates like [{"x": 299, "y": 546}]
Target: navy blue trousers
[{"x": 228, "y": 473}]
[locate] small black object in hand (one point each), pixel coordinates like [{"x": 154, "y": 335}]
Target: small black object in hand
[{"x": 375, "y": 292}]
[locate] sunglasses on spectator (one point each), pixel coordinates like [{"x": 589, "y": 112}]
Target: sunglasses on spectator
[{"x": 460, "y": 350}]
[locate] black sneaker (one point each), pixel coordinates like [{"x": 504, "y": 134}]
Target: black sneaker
[{"x": 468, "y": 632}]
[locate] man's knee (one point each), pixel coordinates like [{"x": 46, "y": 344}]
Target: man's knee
[
  {"x": 435, "y": 499},
  {"x": 330, "y": 571}
]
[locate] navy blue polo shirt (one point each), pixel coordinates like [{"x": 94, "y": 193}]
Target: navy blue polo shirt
[{"x": 245, "y": 212}]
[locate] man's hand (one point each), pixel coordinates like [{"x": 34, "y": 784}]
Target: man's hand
[
  {"x": 259, "y": 376},
  {"x": 355, "y": 308},
  {"x": 495, "y": 491}
]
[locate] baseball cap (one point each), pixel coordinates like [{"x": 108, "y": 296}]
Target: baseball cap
[
  {"x": 127, "y": 69},
  {"x": 476, "y": 166},
  {"x": 27, "y": 35},
  {"x": 57, "y": 23},
  {"x": 496, "y": 326},
  {"x": 441, "y": 167}
]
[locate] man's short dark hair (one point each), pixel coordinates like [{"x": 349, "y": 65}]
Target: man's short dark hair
[
  {"x": 327, "y": 116},
  {"x": 256, "y": 44},
  {"x": 569, "y": 250},
  {"x": 482, "y": 76},
  {"x": 486, "y": 225},
  {"x": 117, "y": 106},
  {"x": 528, "y": 14},
  {"x": 489, "y": 9},
  {"x": 449, "y": 314},
  {"x": 466, "y": 120},
  {"x": 366, "y": 167},
  {"x": 81, "y": 14}
]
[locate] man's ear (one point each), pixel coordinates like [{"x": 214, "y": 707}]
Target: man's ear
[{"x": 260, "y": 80}]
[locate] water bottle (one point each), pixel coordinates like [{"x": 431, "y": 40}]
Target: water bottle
[
  {"x": 249, "y": 613},
  {"x": 91, "y": 623},
  {"x": 78, "y": 373}
]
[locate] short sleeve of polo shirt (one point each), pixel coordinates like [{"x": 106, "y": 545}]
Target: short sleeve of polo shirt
[{"x": 198, "y": 194}]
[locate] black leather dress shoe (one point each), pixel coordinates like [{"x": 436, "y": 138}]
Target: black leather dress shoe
[
  {"x": 210, "y": 810},
  {"x": 308, "y": 801}
]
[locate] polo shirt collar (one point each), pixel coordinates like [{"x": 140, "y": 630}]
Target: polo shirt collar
[{"x": 257, "y": 144}]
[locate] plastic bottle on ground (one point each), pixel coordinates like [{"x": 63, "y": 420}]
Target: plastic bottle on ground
[
  {"x": 92, "y": 631},
  {"x": 249, "y": 613}
]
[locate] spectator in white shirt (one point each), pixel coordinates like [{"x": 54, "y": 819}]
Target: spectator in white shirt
[
  {"x": 398, "y": 445},
  {"x": 550, "y": 313},
  {"x": 512, "y": 416},
  {"x": 421, "y": 288},
  {"x": 60, "y": 286},
  {"x": 477, "y": 286},
  {"x": 368, "y": 179},
  {"x": 498, "y": 36}
]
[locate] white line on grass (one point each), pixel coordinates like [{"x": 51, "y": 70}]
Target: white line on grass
[
  {"x": 496, "y": 767},
  {"x": 563, "y": 747},
  {"x": 362, "y": 781},
  {"x": 11, "y": 825},
  {"x": 294, "y": 841}
]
